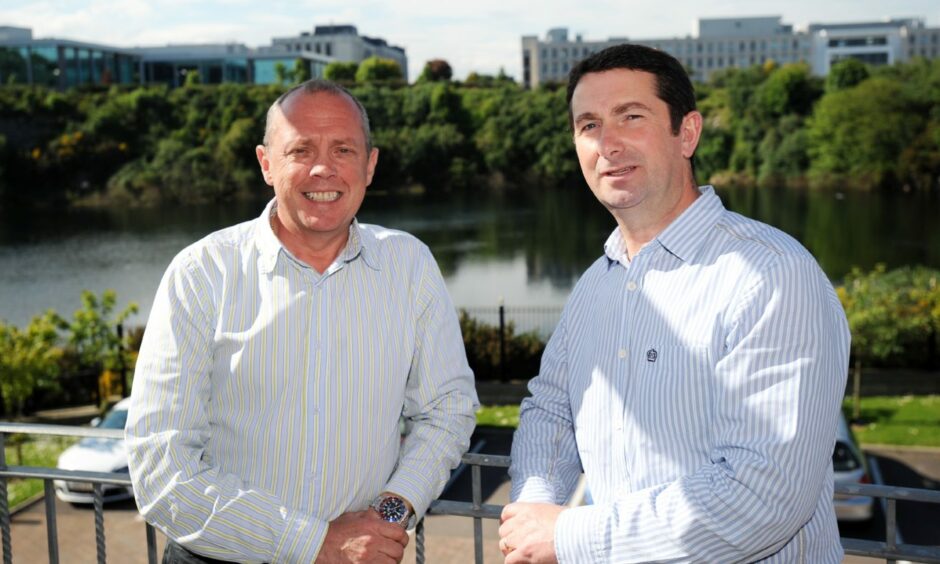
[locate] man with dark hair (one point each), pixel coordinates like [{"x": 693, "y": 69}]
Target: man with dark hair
[
  {"x": 698, "y": 369},
  {"x": 279, "y": 356}
]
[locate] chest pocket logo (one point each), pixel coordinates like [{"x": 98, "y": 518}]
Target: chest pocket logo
[{"x": 651, "y": 355}]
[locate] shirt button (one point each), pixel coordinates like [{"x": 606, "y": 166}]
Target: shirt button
[
  {"x": 631, "y": 285},
  {"x": 622, "y": 353}
]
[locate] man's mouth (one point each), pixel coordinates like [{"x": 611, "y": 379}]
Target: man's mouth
[
  {"x": 322, "y": 196},
  {"x": 620, "y": 171}
]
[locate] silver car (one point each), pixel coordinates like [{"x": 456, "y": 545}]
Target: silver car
[{"x": 848, "y": 466}]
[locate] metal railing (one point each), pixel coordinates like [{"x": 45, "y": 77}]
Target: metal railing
[
  {"x": 890, "y": 549},
  {"x": 48, "y": 476}
]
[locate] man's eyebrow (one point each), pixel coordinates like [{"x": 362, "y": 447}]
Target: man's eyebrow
[
  {"x": 628, "y": 106},
  {"x": 584, "y": 116}
]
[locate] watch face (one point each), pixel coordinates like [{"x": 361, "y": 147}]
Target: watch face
[{"x": 392, "y": 509}]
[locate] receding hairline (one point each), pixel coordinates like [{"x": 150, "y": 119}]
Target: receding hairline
[{"x": 314, "y": 87}]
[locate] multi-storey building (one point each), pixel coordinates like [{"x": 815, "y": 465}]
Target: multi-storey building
[
  {"x": 342, "y": 43},
  {"x": 721, "y": 43},
  {"x": 63, "y": 63}
]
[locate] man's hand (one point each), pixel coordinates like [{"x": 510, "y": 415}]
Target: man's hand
[
  {"x": 527, "y": 532},
  {"x": 362, "y": 536}
]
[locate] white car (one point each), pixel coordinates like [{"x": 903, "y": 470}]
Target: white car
[
  {"x": 96, "y": 455},
  {"x": 848, "y": 466}
]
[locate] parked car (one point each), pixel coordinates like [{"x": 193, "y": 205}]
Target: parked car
[
  {"x": 849, "y": 467},
  {"x": 96, "y": 455}
]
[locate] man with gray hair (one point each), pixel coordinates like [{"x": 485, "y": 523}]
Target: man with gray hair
[{"x": 279, "y": 356}]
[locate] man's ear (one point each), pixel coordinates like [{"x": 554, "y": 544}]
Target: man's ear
[
  {"x": 261, "y": 153},
  {"x": 690, "y": 131}
]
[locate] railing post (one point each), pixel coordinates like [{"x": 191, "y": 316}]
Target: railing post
[
  {"x": 891, "y": 528},
  {"x": 502, "y": 341},
  {"x": 419, "y": 542},
  {"x": 52, "y": 532},
  {"x": 99, "y": 524},
  {"x": 477, "y": 521},
  {"x": 5, "y": 505},
  {"x": 151, "y": 545}
]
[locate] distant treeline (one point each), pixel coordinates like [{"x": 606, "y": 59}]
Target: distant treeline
[{"x": 860, "y": 127}]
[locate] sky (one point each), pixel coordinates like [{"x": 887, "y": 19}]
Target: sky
[{"x": 481, "y": 36}]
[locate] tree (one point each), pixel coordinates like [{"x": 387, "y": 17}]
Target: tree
[
  {"x": 29, "y": 359},
  {"x": 378, "y": 69},
  {"x": 846, "y": 74},
  {"x": 301, "y": 72},
  {"x": 192, "y": 78},
  {"x": 889, "y": 313},
  {"x": 340, "y": 71},
  {"x": 859, "y": 133},
  {"x": 281, "y": 74},
  {"x": 436, "y": 70},
  {"x": 93, "y": 336}
]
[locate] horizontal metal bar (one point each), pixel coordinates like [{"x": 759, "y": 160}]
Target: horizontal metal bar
[
  {"x": 876, "y": 549},
  {"x": 60, "y": 430},
  {"x": 464, "y": 509},
  {"x": 889, "y": 492},
  {"x": 123, "y": 479},
  {"x": 493, "y": 460}
]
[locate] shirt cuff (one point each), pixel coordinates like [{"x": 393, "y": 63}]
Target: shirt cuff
[
  {"x": 581, "y": 535},
  {"x": 413, "y": 487},
  {"x": 301, "y": 540}
]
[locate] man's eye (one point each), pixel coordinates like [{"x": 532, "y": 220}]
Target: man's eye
[{"x": 588, "y": 126}]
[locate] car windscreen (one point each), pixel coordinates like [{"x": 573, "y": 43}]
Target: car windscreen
[
  {"x": 114, "y": 419},
  {"x": 844, "y": 458}
]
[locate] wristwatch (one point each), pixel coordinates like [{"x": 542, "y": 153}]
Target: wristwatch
[{"x": 393, "y": 509}]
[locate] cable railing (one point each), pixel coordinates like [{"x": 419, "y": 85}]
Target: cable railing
[{"x": 890, "y": 550}]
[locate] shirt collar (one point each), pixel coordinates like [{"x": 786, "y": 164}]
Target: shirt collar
[
  {"x": 683, "y": 236},
  {"x": 360, "y": 243}
]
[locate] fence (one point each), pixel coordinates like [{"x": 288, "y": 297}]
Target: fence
[
  {"x": 540, "y": 320},
  {"x": 890, "y": 550}
]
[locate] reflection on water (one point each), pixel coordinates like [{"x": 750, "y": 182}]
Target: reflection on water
[{"x": 525, "y": 248}]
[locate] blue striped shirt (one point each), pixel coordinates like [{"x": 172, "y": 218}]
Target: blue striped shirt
[
  {"x": 698, "y": 387},
  {"x": 267, "y": 396}
]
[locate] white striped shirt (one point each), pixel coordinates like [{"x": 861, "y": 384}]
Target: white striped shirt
[
  {"x": 267, "y": 397},
  {"x": 698, "y": 386}
]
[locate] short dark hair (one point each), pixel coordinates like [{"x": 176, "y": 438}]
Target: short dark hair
[
  {"x": 317, "y": 86},
  {"x": 672, "y": 82}
]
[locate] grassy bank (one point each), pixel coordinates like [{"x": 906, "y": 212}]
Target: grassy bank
[
  {"x": 903, "y": 420},
  {"x": 898, "y": 420}
]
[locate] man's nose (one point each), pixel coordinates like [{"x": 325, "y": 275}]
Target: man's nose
[
  {"x": 322, "y": 167},
  {"x": 609, "y": 144}
]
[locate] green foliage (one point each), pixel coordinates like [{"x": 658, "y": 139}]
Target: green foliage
[
  {"x": 192, "y": 79},
  {"x": 763, "y": 125},
  {"x": 436, "y": 70},
  {"x": 29, "y": 359},
  {"x": 301, "y": 72},
  {"x": 523, "y": 352},
  {"x": 93, "y": 337},
  {"x": 894, "y": 316},
  {"x": 378, "y": 69},
  {"x": 339, "y": 71},
  {"x": 860, "y": 132},
  {"x": 846, "y": 74}
]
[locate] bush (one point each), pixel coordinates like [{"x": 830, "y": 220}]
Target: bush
[{"x": 523, "y": 351}]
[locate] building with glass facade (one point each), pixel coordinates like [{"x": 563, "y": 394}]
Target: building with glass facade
[
  {"x": 63, "y": 63},
  {"x": 721, "y": 43}
]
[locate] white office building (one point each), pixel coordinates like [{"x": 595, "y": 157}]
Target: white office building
[
  {"x": 341, "y": 43},
  {"x": 721, "y": 43}
]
